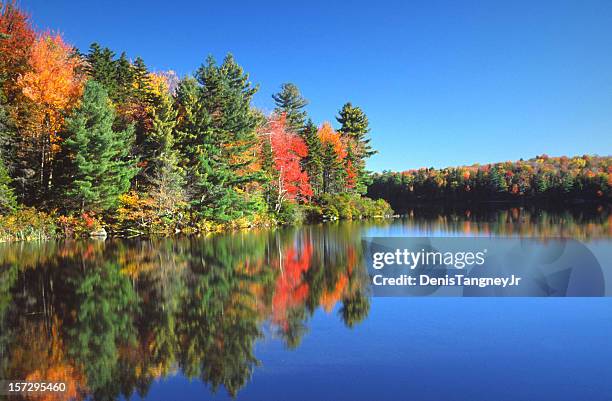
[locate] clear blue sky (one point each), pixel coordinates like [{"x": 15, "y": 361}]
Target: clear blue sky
[{"x": 442, "y": 82}]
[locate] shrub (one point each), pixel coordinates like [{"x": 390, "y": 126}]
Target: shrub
[
  {"x": 27, "y": 224},
  {"x": 290, "y": 213},
  {"x": 348, "y": 206}
]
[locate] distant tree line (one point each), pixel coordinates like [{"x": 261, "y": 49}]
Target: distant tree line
[{"x": 543, "y": 178}]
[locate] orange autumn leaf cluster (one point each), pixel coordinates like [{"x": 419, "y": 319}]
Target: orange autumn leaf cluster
[
  {"x": 53, "y": 82},
  {"x": 328, "y": 136}
]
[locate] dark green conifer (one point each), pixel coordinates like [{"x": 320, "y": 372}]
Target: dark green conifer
[
  {"x": 124, "y": 78},
  {"x": 8, "y": 201},
  {"x": 355, "y": 127},
  {"x": 225, "y": 131},
  {"x": 101, "y": 67},
  {"x": 313, "y": 163},
  {"x": 291, "y": 102},
  {"x": 97, "y": 168}
]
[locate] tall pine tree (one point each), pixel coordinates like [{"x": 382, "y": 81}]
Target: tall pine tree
[
  {"x": 97, "y": 168},
  {"x": 124, "y": 78},
  {"x": 187, "y": 129},
  {"x": 355, "y": 128},
  {"x": 313, "y": 163},
  {"x": 225, "y": 129},
  {"x": 101, "y": 67},
  {"x": 333, "y": 171},
  {"x": 8, "y": 201},
  {"x": 164, "y": 176},
  {"x": 291, "y": 102}
]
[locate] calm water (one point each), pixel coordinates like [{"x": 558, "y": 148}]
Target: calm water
[{"x": 286, "y": 315}]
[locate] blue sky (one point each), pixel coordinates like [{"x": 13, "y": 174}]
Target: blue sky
[{"x": 443, "y": 82}]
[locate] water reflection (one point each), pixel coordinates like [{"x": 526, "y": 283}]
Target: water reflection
[
  {"x": 109, "y": 318},
  {"x": 585, "y": 222}
]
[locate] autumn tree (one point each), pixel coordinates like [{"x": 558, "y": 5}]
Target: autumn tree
[
  {"x": 289, "y": 101},
  {"x": 54, "y": 85},
  {"x": 96, "y": 164},
  {"x": 287, "y": 151},
  {"x": 15, "y": 44},
  {"x": 355, "y": 128}
]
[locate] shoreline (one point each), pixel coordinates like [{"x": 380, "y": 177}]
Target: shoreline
[{"x": 100, "y": 233}]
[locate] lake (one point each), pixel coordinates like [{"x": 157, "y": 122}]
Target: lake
[{"x": 287, "y": 314}]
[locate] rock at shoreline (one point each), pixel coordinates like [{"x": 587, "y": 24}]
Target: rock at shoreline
[{"x": 99, "y": 233}]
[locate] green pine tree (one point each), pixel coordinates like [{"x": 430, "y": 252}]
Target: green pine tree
[
  {"x": 355, "y": 127},
  {"x": 101, "y": 67},
  {"x": 142, "y": 81},
  {"x": 334, "y": 174},
  {"x": 313, "y": 163},
  {"x": 290, "y": 101},
  {"x": 124, "y": 78},
  {"x": 8, "y": 201},
  {"x": 97, "y": 167},
  {"x": 187, "y": 125},
  {"x": 225, "y": 132},
  {"x": 498, "y": 181},
  {"x": 165, "y": 178}
]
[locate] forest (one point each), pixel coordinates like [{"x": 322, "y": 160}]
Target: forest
[
  {"x": 94, "y": 141},
  {"x": 543, "y": 180}
]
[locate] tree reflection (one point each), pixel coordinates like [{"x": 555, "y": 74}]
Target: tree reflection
[{"x": 111, "y": 317}]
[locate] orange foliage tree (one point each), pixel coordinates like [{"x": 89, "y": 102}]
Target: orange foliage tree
[
  {"x": 54, "y": 84},
  {"x": 328, "y": 136}
]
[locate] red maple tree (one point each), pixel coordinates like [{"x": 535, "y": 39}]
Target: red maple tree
[{"x": 288, "y": 149}]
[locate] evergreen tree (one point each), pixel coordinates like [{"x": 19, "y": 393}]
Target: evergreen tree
[
  {"x": 124, "y": 78},
  {"x": 497, "y": 180},
  {"x": 334, "y": 174},
  {"x": 138, "y": 111},
  {"x": 97, "y": 168},
  {"x": 355, "y": 128},
  {"x": 313, "y": 163},
  {"x": 161, "y": 139},
  {"x": 290, "y": 101},
  {"x": 101, "y": 67},
  {"x": 141, "y": 81},
  {"x": 187, "y": 125},
  {"x": 225, "y": 138},
  {"x": 7, "y": 197},
  {"x": 163, "y": 173}
]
